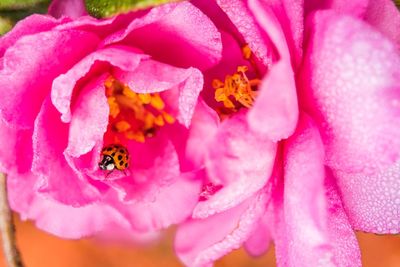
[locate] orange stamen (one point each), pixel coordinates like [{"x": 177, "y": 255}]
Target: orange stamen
[
  {"x": 237, "y": 90},
  {"x": 135, "y": 115}
]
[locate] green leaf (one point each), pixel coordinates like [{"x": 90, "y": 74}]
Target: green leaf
[
  {"x": 106, "y": 8},
  {"x": 5, "y": 25},
  {"x": 20, "y": 4}
]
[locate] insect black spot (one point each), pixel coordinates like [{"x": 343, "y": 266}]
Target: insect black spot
[
  {"x": 119, "y": 157},
  {"x": 113, "y": 154},
  {"x": 122, "y": 151},
  {"x": 109, "y": 149},
  {"x": 121, "y": 163},
  {"x": 126, "y": 165}
]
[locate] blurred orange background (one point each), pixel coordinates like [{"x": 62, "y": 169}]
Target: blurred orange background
[{"x": 40, "y": 249}]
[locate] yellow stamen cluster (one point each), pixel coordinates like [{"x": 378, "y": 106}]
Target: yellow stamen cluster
[
  {"x": 237, "y": 89},
  {"x": 135, "y": 115}
]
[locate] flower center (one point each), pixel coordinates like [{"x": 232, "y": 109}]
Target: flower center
[
  {"x": 135, "y": 115},
  {"x": 237, "y": 91}
]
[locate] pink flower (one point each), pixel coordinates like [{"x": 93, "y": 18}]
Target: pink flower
[
  {"x": 73, "y": 86},
  {"x": 307, "y": 149}
]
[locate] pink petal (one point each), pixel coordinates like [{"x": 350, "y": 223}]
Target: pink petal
[
  {"x": 89, "y": 118},
  {"x": 311, "y": 227},
  {"x": 205, "y": 123},
  {"x": 182, "y": 86},
  {"x": 200, "y": 242},
  {"x": 245, "y": 22},
  {"x": 188, "y": 35},
  {"x": 32, "y": 76},
  {"x": 351, "y": 82},
  {"x": 283, "y": 23},
  {"x": 275, "y": 112},
  {"x": 70, "y": 8},
  {"x": 153, "y": 165},
  {"x": 372, "y": 201},
  {"x": 230, "y": 163},
  {"x": 56, "y": 218},
  {"x": 155, "y": 194},
  {"x": 303, "y": 198},
  {"x": 30, "y": 25},
  {"x": 16, "y": 149},
  {"x": 56, "y": 178},
  {"x": 342, "y": 238},
  {"x": 259, "y": 241},
  {"x": 385, "y": 17},
  {"x": 172, "y": 204},
  {"x": 123, "y": 57},
  {"x": 354, "y": 8}
]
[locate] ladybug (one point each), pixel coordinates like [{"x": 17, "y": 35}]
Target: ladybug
[{"x": 114, "y": 157}]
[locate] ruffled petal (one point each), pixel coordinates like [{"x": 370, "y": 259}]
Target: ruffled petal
[
  {"x": 57, "y": 179},
  {"x": 275, "y": 112},
  {"x": 310, "y": 227},
  {"x": 50, "y": 54},
  {"x": 205, "y": 123},
  {"x": 16, "y": 149},
  {"x": 385, "y": 17},
  {"x": 171, "y": 204},
  {"x": 125, "y": 58},
  {"x": 356, "y": 8},
  {"x": 243, "y": 19},
  {"x": 345, "y": 249},
  {"x": 89, "y": 118},
  {"x": 351, "y": 82},
  {"x": 188, "y": 35},
  {"x": 201, "y": 242},
  {"x": 28, "y": 26},
  {"x": 181, "y": 87},
  {"x": 372, "y": 202},
  {"x": 259, "y": 241},
  {"x": 155, "y": 194},
  {"x": 230, "y": 163},
  {"x": 283, "y": 23},
  {"x": 69, "y": 8},
  {"x": 59, "y": 219}
]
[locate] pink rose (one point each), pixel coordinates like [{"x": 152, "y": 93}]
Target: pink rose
[
  {"x": 307, "y": 146},
  {"x": 73, "y": 86}
]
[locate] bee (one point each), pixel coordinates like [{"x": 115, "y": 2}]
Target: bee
[{"x": 114, "y": 157}]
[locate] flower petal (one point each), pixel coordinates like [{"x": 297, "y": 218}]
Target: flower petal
[
  {"x": 57, "y": 179},
  {"x": 49, "y": 55},
  {"x": 57, "y": 218},
  {"x": 311, "y": 227},
  {"x": 283, "y": 23},
  {"x": 205, "y": 123},
  {"x": 354, "y": 8},
  {"x": 16, "y": 149},
  {"x": 346, "y": 251},
  {"x": 372, "y": 202},
  {"x": 123, "y": 57},
  {"x": 259, "y": 241},
  {"x": 89, "y": 118},
  {"x": 245, "y": 22},
  {"x": 172, "y": 204},
  {"x": 28, "y": 26},
  {"x": 351, "y": 82},
  {"x": 385, "y": 17},
  {"x": 179, "y": 84},
  {"x": 200, "y": 242},
  {"x": 188, "y": 35},
  {"x": 275, "y": 112},
  {"x": 230, "y": 163},
  {"x": 70, "y": 8}
]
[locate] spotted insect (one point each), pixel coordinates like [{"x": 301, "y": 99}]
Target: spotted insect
[{"x": 114, "y": 157}]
